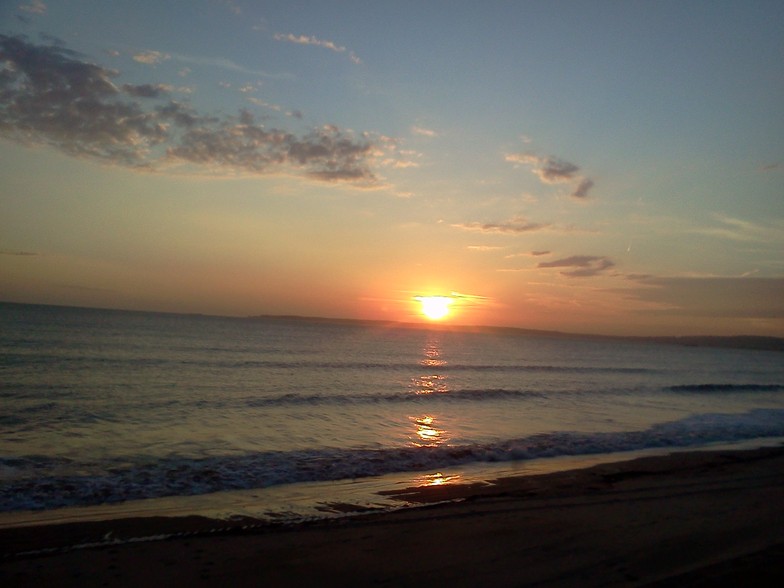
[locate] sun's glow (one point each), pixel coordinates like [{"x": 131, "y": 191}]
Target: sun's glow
[{"x": 435, "y": 307}]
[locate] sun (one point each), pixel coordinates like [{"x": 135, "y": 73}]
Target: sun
[{"x": 435, "y": 307}]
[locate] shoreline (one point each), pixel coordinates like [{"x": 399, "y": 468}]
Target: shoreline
[{"x": 687, "y": 516}]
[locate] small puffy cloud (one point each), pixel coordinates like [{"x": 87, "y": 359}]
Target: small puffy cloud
[
  {"x": 584, "y": 265},
  {"x": 151, "y": 57},
  {"x": 517, "y": 224},
  {"x": 553, "y": 170},
  {"x": 53, "y": 97},
  {"x": 550, "y": 170},
  {"x": 306, "y": 40}
]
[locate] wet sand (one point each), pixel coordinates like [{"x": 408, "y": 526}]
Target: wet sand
[{"x": 688, "y": 519}]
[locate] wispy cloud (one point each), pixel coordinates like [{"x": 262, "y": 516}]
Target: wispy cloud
[
  {"x": 484, "y": 247},
  {"x": 585, "y": 265},
  {"x": 553, "y": 170},
  {"x": 53, "y": 97},
  {"x": 223, "y": 63},
  {"x": 517, "y": 224},
  {"x": 232, "y": 6},
  {"x": 423, "y": 131},
  {"x": 742, "y": 230},
  {"x": 528, "y": 254},
  {"x": 724, "y": 297},
  {"x": 33, "y": 7},
  {"x": 19, "y": 253},
  {"x": 306, "y": 40}
]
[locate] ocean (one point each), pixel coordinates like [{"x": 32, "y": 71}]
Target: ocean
[{"x": 106, "y": 407}]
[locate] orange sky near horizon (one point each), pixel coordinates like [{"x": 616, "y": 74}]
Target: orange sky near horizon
[{"x": 591, "y": 168}]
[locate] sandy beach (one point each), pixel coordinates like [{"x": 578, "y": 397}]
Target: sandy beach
[{"x": 688, "y": 519}]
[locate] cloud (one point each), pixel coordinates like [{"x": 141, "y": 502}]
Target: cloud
[
  {"x": 769, "y": 167},
  {"x": 744, "y": 231},
  {"x": 232, "y": 6},
  {"x": 724, "y": 297},
  {"x": 19, "y": 253},
  {"x": 151, "y": 57},
  {"x": 423, "y": 132},
  {"x": 225, "y": 64},
  {"x": 146, "y": 90},
  {"x": 484, "y": 247},
  {"x": 528, "y": 254},
  {"x": 305, "y": 40},
  {"x": 553, "y": 170},
  {"x": 582, "y": 189},
  {"x": 34, "y": 7},
  {"x": 517, "y": 224},
  {"x": 587, "y": 265},
  {"x": 52, "y": 97}
]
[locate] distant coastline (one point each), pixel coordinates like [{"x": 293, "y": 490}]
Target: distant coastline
[
  {"x": 752, "y": 342},
  {"x": 756, "y": 342}
]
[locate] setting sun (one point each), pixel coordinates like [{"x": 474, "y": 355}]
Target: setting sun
[{"x": 435, "y": 307}]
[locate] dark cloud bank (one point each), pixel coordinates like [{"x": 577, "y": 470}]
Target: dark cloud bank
[{"x": 50, "y": 95}]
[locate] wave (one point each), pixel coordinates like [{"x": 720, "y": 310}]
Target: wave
[
  {"x": 76, "y": 361},
  {"x": 406, "y": 397},
  {"x": 30, "y": 483},
  {"x": 726, "y": 388}
]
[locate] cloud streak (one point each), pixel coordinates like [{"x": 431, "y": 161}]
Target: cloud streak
[
  {"x": 584, "y": 266},
  {"x": 517, "y": 224},
  {"x": 51, "y": 96},
  {"x": 306, "y": 40},
  {"x": 19, "y": 253}
]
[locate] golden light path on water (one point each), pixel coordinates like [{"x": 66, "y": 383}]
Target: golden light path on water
[{"x": 427, "y": 430}]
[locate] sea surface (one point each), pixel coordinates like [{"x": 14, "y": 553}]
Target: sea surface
[{"x": 101, "y": 407}]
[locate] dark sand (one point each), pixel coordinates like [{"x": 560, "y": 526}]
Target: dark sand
[{"x": 689, "y": 519}]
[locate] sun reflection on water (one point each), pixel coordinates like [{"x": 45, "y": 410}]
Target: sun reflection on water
[
  {"x": 431, "y": 383},
  {"x": 427, "y": 434},
  {"x": 437, "y": 479}
]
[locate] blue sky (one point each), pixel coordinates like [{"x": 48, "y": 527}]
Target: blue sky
[{"x": 612, "y": 167}]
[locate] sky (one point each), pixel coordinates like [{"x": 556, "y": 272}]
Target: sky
[{"x": 611, "y": 167}]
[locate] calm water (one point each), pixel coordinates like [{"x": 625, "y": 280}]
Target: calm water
[{"x": 105, "y": 406}]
